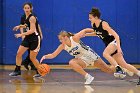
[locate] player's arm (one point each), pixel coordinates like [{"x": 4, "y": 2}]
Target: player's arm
[
  {"x": 32, "y": 28},
  {"x": 82, "y": 33},
  {"x": 54, "y": 54},
  {"x": 22, "y": 26},
  {"x": 18, "y": 27},
  {"x": 21, "y": 31},
  {"x": 90, "y": 32},
  {"x": 32, "y": 21}
]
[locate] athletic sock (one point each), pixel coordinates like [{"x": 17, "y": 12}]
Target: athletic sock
[
  {"x": 138, "y": 73},
  {"x": 17, "y": 68},
  {"x": 86, "y": 76}
]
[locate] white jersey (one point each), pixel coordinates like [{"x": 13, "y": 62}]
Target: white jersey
[
  {"x": 76, "y": 49},
  {"x": 80, "y": 50}
]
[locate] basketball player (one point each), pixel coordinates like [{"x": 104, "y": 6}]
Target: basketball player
[
  {"x": 27, "y": 60},
  {"x": 31, "y": 40},
  {"x": 113, "y": 52},
  {"x": 84, "y": 55}
]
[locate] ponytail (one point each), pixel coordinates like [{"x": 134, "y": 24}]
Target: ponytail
[{"x": 70, "y": 34}]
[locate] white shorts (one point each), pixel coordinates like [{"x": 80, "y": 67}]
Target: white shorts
[
  {"x": 114, "y": 42},
  {"x": 38, "y": 46},
  {"x": 90, "y": 57}
]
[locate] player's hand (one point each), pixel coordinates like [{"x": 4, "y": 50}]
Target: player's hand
[
  {"x": 23, "y": 37},
  {"x": 42, "y": 59},
  {"x": 23, "y": 26},
  {"x": 16, "y": 28},
  {"x": 18, "y": 35}
]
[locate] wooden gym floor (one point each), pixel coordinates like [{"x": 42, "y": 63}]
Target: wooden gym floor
[{"x": 62, "y": 79}]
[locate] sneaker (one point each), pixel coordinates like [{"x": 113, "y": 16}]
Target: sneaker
[
  {"x": 138, "y": 81},
  {"x": 119, "y": 72},
  {"x": 122, "y": 75},
  {"x": 89, "y": 79},
  {"x": 15, "y": 73},
  {"x": 37, "y": 76},
  {"x": 117, "y": 75},
  {"x": 39, "y": 80}
]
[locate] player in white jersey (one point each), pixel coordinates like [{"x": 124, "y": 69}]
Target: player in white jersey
[{"x": 83, "y": 54}]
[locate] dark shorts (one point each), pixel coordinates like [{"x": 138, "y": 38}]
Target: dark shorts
[{"x": 33, "y": 45}]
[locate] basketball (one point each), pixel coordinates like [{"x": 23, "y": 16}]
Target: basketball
[{"x": 43, "y": 69}]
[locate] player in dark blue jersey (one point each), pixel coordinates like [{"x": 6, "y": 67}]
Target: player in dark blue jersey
[
  {"x": 112, "y": 52},
  {"x": 26, "y": 62},
  {"x": 31, "y": 41}
]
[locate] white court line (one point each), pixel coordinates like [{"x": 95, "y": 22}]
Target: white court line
[{"x": 55, "y": 82}]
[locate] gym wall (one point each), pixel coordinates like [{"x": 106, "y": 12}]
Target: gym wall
[{"x": 72, "y": 16}]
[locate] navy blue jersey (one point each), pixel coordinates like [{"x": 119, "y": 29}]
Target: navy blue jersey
[
  {"x": 103, "y": 34},
  {"x": 25, "y": 21}
]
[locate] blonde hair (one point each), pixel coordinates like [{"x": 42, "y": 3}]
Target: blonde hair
[{"x": 65, "y": 33}]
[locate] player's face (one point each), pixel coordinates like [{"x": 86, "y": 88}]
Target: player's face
[
  {"x": 92, "y": 18},
  {"x": 27, "y": 9},
  {"x": 63, "y": 39}
]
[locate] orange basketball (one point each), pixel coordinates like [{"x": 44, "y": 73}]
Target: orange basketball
[{"x": 43, "y": 69}]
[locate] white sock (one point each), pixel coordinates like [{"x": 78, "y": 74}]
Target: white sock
[
  {"x": 116, "y": 66},
  {"x": 138, "y": 73},
  {"x": 86, "y": 76}
]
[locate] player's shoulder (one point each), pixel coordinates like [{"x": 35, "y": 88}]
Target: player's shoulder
[
  {"x": 104, "y": 23},
  {"x": 32, "y": 18}
]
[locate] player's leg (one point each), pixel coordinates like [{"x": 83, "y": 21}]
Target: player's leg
[
  {"x": 110, "y": 49},
  {"x": 103, "y": 66},
  {"x": 26, "y": 61},
  {"x": 121, "y": 61},
  {"x": 34, "y": 49},
  {"x": 36, "y": 63},
  {"x": 20, "y": 52},
  {"x": 78, "y": 65}
]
